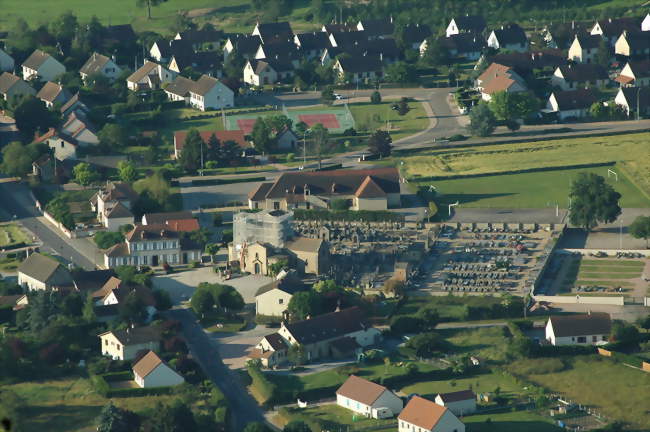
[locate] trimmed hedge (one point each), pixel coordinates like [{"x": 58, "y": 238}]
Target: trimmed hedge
[
  {"x": 118, "y": 376},
  {"x": 265, "y": 388},
  {"x": 216, "y": 182},
  {"x": 519, "y": 171}
]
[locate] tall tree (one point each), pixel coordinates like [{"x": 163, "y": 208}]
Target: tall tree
[
  {"x": 261, "y": 136},
  {"x": 84, "y": 175},
  {"x": 114, "y": 419},
  {"x": 148, "y": 4},
  {"x": 17, "y": 158},
  {"x": 380, "y": 143},
  {"x": 202, "y": 302},
  {"x": 510, "y": 106},
  {"x": 640, "y": 228},
  {"x": 304, "y": 304},
  {"x": 320, "y": 137},
  {"x": 32, "y": 116},
  {"x": 126, "y": 171},
  {"x": 481, "y": 120},
  {"x": 190, "y": 159},
  {"x": 593, "y": 201},
  {"x": 112, "y": 136},
  {"x": 436, "y": 53},
  {"x": 213, "y": 149}
]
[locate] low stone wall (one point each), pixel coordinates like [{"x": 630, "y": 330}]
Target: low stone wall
[
  {"x": 69, "y": 234},
  {"x": 577, "y": 299}
]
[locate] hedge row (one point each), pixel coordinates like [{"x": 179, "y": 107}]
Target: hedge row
[
  {"x": 265, "y": 388},
  {"x": 101, "y": 386},
  {"x": 216, "y": 182},
  {"x": 519, "y": 171},
  {"x": 348, "y": 215}
]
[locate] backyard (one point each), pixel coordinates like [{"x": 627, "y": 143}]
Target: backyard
[{"x": 11, "y": 234}]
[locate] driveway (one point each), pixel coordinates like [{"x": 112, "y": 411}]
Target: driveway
[{"x": 234, "y": 347}]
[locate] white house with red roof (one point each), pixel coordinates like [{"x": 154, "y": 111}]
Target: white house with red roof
[
  {"x": 367, "y": 398},
  {"x": 152, "y": 371},
  {"x": 498, "y": 78},
  {"x": 423, "y": 415}
]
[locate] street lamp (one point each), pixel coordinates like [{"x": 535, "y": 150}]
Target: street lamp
[
  {"x": 304, "y": 147},
  {"x": 638, "y": 93}
]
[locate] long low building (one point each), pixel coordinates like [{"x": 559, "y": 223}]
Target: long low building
[{"x": 369, "y": 189}]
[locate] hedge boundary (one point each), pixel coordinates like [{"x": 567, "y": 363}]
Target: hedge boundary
[
  {"x": 348, "y": 215},
  {"x": 101, "y": 385},
  {"x": 512, "y": 172},
  {"x": 218, "y": 182}
]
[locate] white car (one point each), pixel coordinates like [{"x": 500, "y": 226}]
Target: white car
[{"x": 338, "y": 96}]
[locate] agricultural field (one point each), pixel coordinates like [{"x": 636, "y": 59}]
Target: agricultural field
[{"x": 624, "y": 397}]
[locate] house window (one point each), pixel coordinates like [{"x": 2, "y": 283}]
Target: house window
[
  {"x": 281, "y": 301},
  {"x": 582, "y": 339},
  {"x": 594, "y": 338},
  {"x": 276, "y": 205}
]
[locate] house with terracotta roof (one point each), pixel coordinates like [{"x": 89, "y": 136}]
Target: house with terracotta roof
[
  {"x": 368, "y": 398},
  {"x": 460, "y": 403},
  {"x": 236, "y": 136},
  {"x": 113, "y": 205},
  {"x": 152, "y": 245},
  {"x": 635, "y": 73},
  {"x": 151, "y": 371},
  {"x": 338, "y": 334},
  {"x": 585, "y": 48},
  {"x": 182, "y": 221},
  {"x": 498, "y": 78},
  {"x": 366, "y": 189},
  {"x": 587, "y": 329},
  {"x": 41, "y": 65},
  {"x": 423, "y": 415},
  {"x": 126, "y": 344}
]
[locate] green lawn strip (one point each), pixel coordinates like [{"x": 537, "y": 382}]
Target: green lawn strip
[
  {"x": 589, "y": 275},
  {"x": 369, "y": 117},
  {"x": 610, "y": 269},
  {"x": 332, "y": 416},
  {"x": 616, "y": 263},
  {"x": 527, "y": 190},
  {"x": 11, "y": 234},
  {"x": 510, "y": 421},
  {"x": 622, "y": 399},
  {"x": 623, "y": 284}
]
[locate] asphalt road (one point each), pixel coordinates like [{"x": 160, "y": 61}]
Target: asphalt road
[
  {"x": 15, "y": 200},
  {"x": 244, "y": 408}
]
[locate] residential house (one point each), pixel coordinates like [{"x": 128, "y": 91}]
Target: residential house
[
  {"x": 12, "y": 86},
  {"x": 113, "y": 205},
  {"x": 497, "y": 78},
  {"x": 201, "y": 40},
  {"x": 89, "y": 281},
  {"x": 312, "y": 44},
  {"x": 162, "y": 50},
  {"x": 80, "y": 130},
  {"x": 460, "y": 403},
  {"x": 468, "y": 46},
  {"x": 611, "y": 28},
  {"x": 273, "y": 32},
  {"x": 422, "y": 415},
  {"x": 53, "y": 93},
  {"x": 588, "y": 329},
  {"x": 126, "y": 344},
  {"x": 152, "y": 245},
  {"x": 7, "y": 63},
  {"x": 582, "y": 75},
  {"x": 413, "y": 35},
  {"x": 179, "y": 89},
  {"x": 16, "y": 301},
  {"x": 466, "y": 24},
  {"x": 510, "y": 37},
  {"x": 73, "y": 104},
  {"x": 209, "y": 93},
  {"x": 571, "y": 104},
  {"x": 367, "y": 189},
  {"x": 41, "y": 65},
  {"x": 204, "y": 62},
  {"x": 561, "y": 35},
  {"x": 584, "y": 48},
  {"x": 99, "y": 64},
  {"x": 377, "y": 28},
  {"x": 273, "y": 299},
  {"x": 115, "y": 292},
  {"x": 645, "y": 24},
  {"x": 42, "y": 273},
  {"x": 149, "y": 77},
  {"x": 633, "y": 45},
  {"x": 634, "y": 100},
  {"x": 345, "y": 40},
  {"x": 635, "y": 74},
  {"x": 244, "y": 45},
  {"x": 285, "y": 52},
  {"x": 151, "y": 371},
  {"x": 64, "y": 146},
  {"x": 363, "y": 68},
  {"x": 43, "y": 168},
  {"x": 236, "y": 136},
  {"x": 338, "y": 27},
  {"x": 267, "y": 71},
  {"x": 286, "y": 140},
  {"x": 368, "y": 398},
  {"x": 526, "y": 63},
  {"x": 336, "y": 334}
]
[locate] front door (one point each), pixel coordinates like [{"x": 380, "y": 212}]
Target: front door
[
  {"x": 258, "y": 268},
  {"x": 154, "y": 261}
]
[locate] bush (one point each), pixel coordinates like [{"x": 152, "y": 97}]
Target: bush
[
  {"x": 106, "y": 239},
  {"x": 375, "y": 97},
  {"x": 406, "y": 324},
  {"x": 457, "y": 137},
  {"x": 340, "y": 204},
  {"x": 265, "y": 388}
]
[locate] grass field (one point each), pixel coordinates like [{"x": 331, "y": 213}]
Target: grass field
[
  {"x": 484, "y": 383},
  {"x": 623, "y": 397},
  {"x": 604, "y": 273},
  {"x": 528, "y": 190},
  {"x": 333, "y": 417},
  {"x": 70, "y": 405},
  {"x": 486, "y": 343},
  {"x": 11, "y": 234},
  {"x": 510, "y": 421},
  {"x": 369, "y": 117}
]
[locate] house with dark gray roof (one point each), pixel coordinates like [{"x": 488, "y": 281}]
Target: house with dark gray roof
[
  {"x": 359, "y": 68},
  {"x": 367, "y": 398},
  {"x": 585, "y": 48},
  {"x": 580, "y": 75},
  {"x": 462, "y": 402},
  {"x": 13, "y": 86},
  {"x": 204, "y": 39},
  {"x": 273, "y": 299},
  {"x": 126, "y": 344},
  {"x": 466, "y": 24},
  {"x": 612, "y": 28},
  {"x": 267, "y": 71},
  {"x": 571, "y": 104},
  {"x": 41, "y": 65},
  {"x": 243, "y": 44},
  {"x": 377, "y": 28},
  {"x": 508, "y": 37},
  {"x": 338, "y": 334},
  {"x": 633, "y": 45},
  {"x": 414, "y": 34},
  {"x": 53, "y": 93},
  {"x": 366, "y": 189},
  {"x": 40, "y": 273},
  {"x": 206, "y": 62},
  {"x": 271, "y": 32},
  {"x": 633, "y": 100},
  {"x": 464, "y": 45},
  {"x": 209, "y": 93},
  {"x": 312, "y": 44},
  {"x": 588, "y": 329}
]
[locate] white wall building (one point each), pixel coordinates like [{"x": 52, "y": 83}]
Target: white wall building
[
  {"x": 589, "y": 329},
  {"x": 151, "y": 371},
  {"x": 367, "y": 398},
  {"x": 422, "y": 415}
]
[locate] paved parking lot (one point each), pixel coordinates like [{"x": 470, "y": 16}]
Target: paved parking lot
[
  {"x": 181, "y": 285},
  {"x": 218, "y": 195},
  {"x": 234, "y": 347}
]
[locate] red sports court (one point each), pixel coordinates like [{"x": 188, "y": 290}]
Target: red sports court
[
  {"x": 246, "y": 125},
  {"x": 328, "y": 120}
]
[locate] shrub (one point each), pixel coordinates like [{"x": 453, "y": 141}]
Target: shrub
[
  {"x": 375, "y": 97},
  {"x": 106, "y": 239},
  {"x": 265, "y": 388},
  {"x": 290, "y": 157},
  {"x": 406, "y": 324}
]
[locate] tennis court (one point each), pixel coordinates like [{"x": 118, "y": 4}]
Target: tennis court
[
  {"x": 336, "y": 119},
  {"x": 327, "y": 120}
]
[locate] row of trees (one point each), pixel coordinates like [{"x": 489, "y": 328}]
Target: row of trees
[
  {"x": 197, "y": 153},
  {"x": 209, "y": 298}
]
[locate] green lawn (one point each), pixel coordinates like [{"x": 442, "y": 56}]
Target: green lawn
[
  {"x": 621, "y": 394},
  {"x": 519, "y": 421},
  {"x": 369, "y": 117},
  {"x": 9, "y": 264},
  {"x": 529, "y": 190},
  {"x": 486, "y": 343},
  {"x": 333, "y": 417},
  {"x": 11, "y": 234},
  {"x": 605, "y": 273},
  {"x": 71, "y": 404},
  {"x": 448, "y": 308}
]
